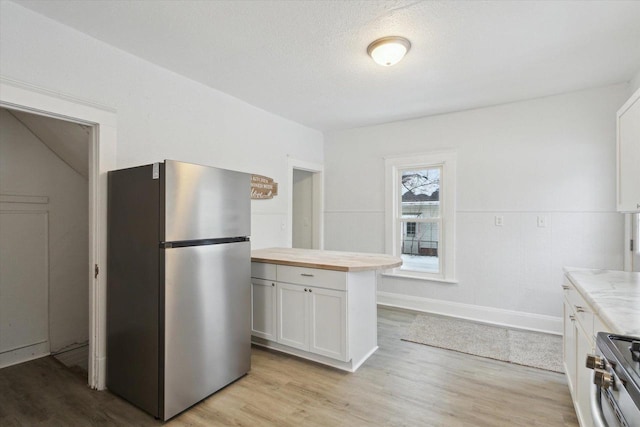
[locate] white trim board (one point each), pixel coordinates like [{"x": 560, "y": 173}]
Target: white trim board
[
  {"x": 19, "y": 198},
  {"x": 446, "y": 161},
  {"x": 350, "y": 366},
  {"x": 24, "y": 354},
  {"x": 490, "y": 315}
]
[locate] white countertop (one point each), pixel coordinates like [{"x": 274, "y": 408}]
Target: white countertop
[{"x": 613, "y": 295}]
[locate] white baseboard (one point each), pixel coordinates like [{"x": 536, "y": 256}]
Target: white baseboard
[
  {"x": 494, "y": 316},
  {"x": 350, "y": 366},
  {"x": 24, "y": 354}
]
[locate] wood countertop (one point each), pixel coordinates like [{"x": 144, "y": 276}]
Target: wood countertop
[{"x": 325, "y": 260}]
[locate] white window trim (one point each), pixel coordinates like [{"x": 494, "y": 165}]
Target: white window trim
[{"x": 446, "y": 160}]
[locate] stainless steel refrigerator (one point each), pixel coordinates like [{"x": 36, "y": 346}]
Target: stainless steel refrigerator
[{"x": 178, "y": 283}]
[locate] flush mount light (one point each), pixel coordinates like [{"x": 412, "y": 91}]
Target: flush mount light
[{"x": 388, "y": 51}]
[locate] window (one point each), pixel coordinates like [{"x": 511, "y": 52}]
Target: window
[
  {"x": 411, "y": 229},
  {"x": 421, "y": 214}
]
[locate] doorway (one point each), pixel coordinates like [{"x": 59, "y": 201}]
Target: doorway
[
  {"x": 302, "y": 219},
  {"x": 306, "y": 205},
  {"x": 44, "y": 236},
  {"x": 102, "y": 120}
]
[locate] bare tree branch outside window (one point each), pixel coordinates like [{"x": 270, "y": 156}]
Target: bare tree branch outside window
[{"x": 420, "y": 199}]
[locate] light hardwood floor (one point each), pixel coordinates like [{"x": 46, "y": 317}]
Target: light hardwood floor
[{"x": 402, "y": 384}]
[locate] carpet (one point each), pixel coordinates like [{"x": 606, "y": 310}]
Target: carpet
[{"x": 535, "y": 349}]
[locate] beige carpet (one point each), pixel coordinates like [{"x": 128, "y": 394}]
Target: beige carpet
[{"x": 527, "y": 348}]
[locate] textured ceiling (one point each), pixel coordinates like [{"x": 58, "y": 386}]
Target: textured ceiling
[{"x": 307, "y": 61}]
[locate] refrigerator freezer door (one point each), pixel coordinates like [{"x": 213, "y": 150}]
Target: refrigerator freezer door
[
  {"x": 207, "y": 321},
  {"x": 202, "y": 202}
]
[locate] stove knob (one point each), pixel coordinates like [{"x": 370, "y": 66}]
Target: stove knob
[
  {"x": 603, "y": 379},
  {"x": 594, "y": 362}
]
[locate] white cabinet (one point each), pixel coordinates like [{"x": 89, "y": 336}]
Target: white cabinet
[
  {"x": 328, "y": 323},
  {"x": 313, "y": 319},
  {"x": 584, "y": 346},
  {"x": 323, "y": 315},
  {"x": 569, "y": 345},
  {"x": 263, "y": 300},
  {"x": 628, "y": 155},
  {"x": 312, "y": 310},
  {"x": 578, "y": 341},
  {"x": 293, "y": 316},
  {"x": 263, "y": 308}
]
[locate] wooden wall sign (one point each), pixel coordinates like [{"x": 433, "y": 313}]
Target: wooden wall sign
[{"x": 263, "y": 187}]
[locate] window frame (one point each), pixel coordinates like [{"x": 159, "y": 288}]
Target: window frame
[{"x": 446, "y": 160}]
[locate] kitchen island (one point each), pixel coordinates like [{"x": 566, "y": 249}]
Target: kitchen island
[
  {"x": 595, "y": 301},
  {"x": 315, "y": 304}
]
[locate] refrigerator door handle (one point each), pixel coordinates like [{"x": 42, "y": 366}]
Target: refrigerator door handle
[{"x": 202, "y": 242}]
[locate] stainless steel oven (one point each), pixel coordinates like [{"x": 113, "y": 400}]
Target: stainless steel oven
[{"x": 615, "y": 392}]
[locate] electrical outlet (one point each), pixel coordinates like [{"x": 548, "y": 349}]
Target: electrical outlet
[
  {"x": 499, "y": 220},
  {"x": 542, "y": 221}
]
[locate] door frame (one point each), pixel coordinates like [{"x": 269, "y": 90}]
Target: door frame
[
  {"x": 15, "y": 95},
  {"x": 317, "y": 226}
]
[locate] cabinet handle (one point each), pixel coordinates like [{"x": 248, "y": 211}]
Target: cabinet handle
[
  {"x": 273, "y": 284},
  {"x": 572, "y": 318},
  {"x": 566, "y": 287},
  {"x": 306, "y": 274},
  {"x": 579, "y": 309},
  {"x": 306, "y": 290},
  {"x": 310, "y": 290}
]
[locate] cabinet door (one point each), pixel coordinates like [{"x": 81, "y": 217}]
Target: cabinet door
[
  {"x": 583, "y": 377},
  {"x": 263, "y": 309},
  {"x": 292, "y": 323},
  {"x": 328, "y": 322},
  {"x": 629, "y": 155},
  {"x": 569, "y": 344}
]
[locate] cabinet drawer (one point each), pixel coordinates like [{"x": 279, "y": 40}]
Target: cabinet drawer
[
  {"x": 261, "y": 270},
  {"x": 328, "y": 279},
  {"x": 581, "y": 309}
]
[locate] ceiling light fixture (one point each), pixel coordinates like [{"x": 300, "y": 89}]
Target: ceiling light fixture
[{"x": 388, "y": 51}]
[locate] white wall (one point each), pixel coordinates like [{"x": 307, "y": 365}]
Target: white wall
[
  {"x": 552, "y": 156},
  {"x": 635, "y": 82},
  {"x": 160, "y": 114},
  {"x": 29, "y": 168}
]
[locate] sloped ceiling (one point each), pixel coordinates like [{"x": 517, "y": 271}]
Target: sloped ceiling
[
  {"x": 69, "y": 141},
  {"x": 307, "y": 60}
]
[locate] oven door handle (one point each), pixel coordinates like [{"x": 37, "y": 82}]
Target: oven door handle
[{"x": 596, "y": 404}]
